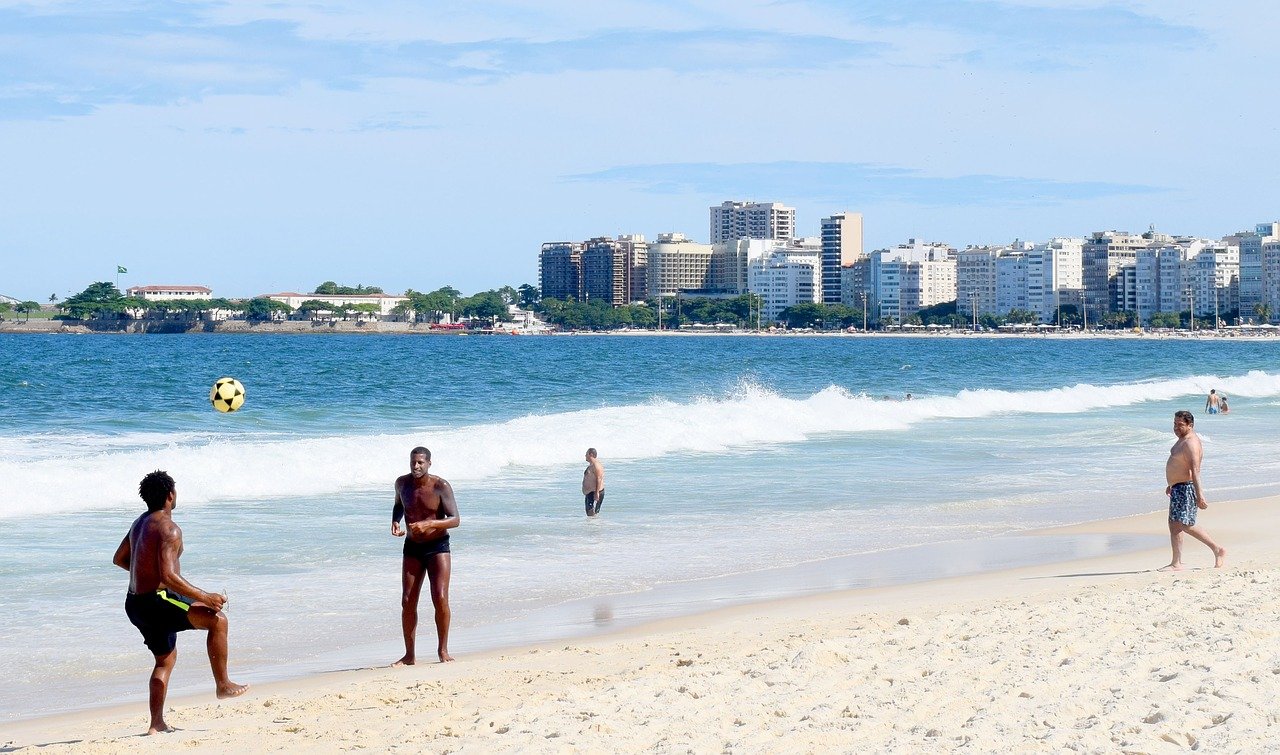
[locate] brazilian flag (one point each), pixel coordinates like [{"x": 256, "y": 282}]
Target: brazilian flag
[{"x": 120, "y": 269}]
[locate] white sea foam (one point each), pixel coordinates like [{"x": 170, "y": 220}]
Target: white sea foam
[{"x": 61, "y": 473}]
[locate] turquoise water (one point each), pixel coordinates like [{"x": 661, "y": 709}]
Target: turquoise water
[{"x": 725, "y": 456}]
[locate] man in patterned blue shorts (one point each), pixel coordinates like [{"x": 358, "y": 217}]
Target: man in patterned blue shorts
[{"x": 1182, "y": 473}]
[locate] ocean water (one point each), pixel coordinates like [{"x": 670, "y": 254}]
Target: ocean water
[{"x": 725, "y": 457}]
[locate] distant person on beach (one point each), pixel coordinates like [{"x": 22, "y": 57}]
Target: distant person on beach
[
  {"x": 1182, "y": 473},
  {"x": 429, "y": 511},
  {"x": 1213, "y": 402},
  {"x": 593, "y": 483},
  {"x": 161, "y": 603}
]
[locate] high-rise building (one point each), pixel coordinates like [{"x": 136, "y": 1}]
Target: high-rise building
[
  {"x": 1250, "y": 243},
  {"x": 560, "y": 270},
  {"x": 841, "y": 247},
  {"x": 912, "y": 276},
  {"x": 976, "y": 280},
  {"x": 1055, "y": 276},
  {"x": 784, "y": 278},
  {"x": 1105, "y": 252},
  {"x": 605, "y": 272},
  {"x": 677, "y": 264},
  {"x": 637, "y": 253},
  {"x": 730, "y": 261},
  {"x": 752, "y": 220}
]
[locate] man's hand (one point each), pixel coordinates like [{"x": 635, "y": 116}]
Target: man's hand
[
  {"x": 396, "y": 529},
  {"x": 1168, "y": 490},
  {"x": 214, "y": 600},
  {"x": 1201, "y": 503},
  {"x": 419, "y": 529}
]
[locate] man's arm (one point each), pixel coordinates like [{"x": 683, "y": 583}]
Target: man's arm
[
  {"x": 170, "y": 549},
  {"x": 448, "y": 507},
  {"x": 1197, "y": 454},
  {"x": 123, "y": 553},
  {"x": 599, "y": 478},
  {"x": 397, "y": 513}
]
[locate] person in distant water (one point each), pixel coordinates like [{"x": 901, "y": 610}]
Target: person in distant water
[
  {"x": 161, "y": 603},
  {"x": 1222, "y": 403},
  {"x": 593, "y": 483},
  {"x": 1182, "y": 473},
  {"x": 908, "y": 397},
  {"x": 1213, "y": 402},
  {"x": 429, "y": 511}
]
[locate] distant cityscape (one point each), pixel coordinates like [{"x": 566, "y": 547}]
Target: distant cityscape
[
  {"x": 1140, "y": 278},
  {"x": 1108, "y": 278}
]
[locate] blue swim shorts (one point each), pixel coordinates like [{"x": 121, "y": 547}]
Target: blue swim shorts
[{"x": 1182, "y": 503}]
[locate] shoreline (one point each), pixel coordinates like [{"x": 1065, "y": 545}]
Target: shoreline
[
  {"x": 239, "y": 327},
  {"x": 1241, "y": 525}
]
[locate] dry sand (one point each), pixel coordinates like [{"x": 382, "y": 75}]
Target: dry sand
[{"x": 1102, "y": 655}]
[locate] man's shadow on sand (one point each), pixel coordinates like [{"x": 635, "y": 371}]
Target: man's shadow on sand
[{"x": 1099, "y": 574}]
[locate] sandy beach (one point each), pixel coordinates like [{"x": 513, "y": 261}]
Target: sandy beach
[{"x": 1103, "y": 654}]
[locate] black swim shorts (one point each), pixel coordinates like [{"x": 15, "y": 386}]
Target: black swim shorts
[
  {"x": 420, "y": 551},
  {"x": 159, "y": 616},
  {"x": 593, "y": 503}
]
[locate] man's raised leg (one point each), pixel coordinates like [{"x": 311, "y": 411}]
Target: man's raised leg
[
  {"x": 158, "y": 688},
  {"x": 438, "y": 570},
  {"x": 411, "y": 573},
  {"x": 215, "y": 622},
  {"x": 1219, "y": 553}
]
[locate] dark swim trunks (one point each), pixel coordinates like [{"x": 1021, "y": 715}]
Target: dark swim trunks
[
  {"x": 159, "y": 616},
  {"x": 594, "y": 504},
  {"x": 420, "y": 551},
  {"x": 1182, "y": 503}
]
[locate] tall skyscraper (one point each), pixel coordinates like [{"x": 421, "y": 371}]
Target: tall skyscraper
[
  {"x": 752, "y": 220},
  {"x": 560, "y": 270},
  {"x": 841, "y": 247}
]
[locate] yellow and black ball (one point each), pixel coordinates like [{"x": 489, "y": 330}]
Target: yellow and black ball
[{"x": 227, "y": 394}]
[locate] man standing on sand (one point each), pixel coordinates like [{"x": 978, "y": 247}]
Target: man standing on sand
[
  {"x": 429, "y": 511},
  {"x": 593, "y": 483},
  {"x": 158, "y": 603},
  {"x": 1212, "y": 402},
  {"x": 1182, "y": 473}
]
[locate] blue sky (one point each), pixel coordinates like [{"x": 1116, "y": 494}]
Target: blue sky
[{"x": 256, "y": 147}]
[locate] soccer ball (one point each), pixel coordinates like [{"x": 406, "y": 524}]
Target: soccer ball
[{"x": 227, "y": 394}]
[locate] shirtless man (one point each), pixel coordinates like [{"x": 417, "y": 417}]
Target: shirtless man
[
  {"x": 1213, "y": 402},
  {"x": 593, "y": 483},
  {"x": 1182, "y": 473},
  {"x": 429, "y": 511},
  {"x": 158, "y": 603}
]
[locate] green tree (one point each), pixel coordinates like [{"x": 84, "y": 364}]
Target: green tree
[
  {"x": 368, "y": 309},
  {"x": 260, "y": 309},
  {"x": 5, "y": 307},
  {"x": 97, "y": 300},
  {"x": 1263, "y": 312},
  {"x": 1021, "y": 317},
  {"x": 310, "y": 307},
  {"x": 529, "y": 295}
]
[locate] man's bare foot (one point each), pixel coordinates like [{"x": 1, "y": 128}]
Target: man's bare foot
[
  {"x": 1171, "y": 567},
  {"x": 445, "y": 657},
  {"x": 1220, "y": 558},
  {"x": 231, "y": 690},
  {"x": 161, "y": 728},
  {"x": 407, "y": 660}
]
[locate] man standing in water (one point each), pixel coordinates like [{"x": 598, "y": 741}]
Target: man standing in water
[
  {"x": 429, "y": 511},
  {"x": 1212, "y": 402},
  {"x": 593, "y": 483},
  {"x": 158, "y": 603},
  {"x": 1182, "y": 473}
]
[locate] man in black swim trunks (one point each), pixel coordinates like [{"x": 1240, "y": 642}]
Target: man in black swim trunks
[
  {"x": 161, "y": 602},
  {"x": 429, "y": 511}
]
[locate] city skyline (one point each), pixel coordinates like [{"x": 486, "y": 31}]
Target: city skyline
[{"x": 253, "y": 147}]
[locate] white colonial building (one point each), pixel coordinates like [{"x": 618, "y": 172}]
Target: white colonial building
[
  {"x": 384, "y": 302},
  {"x": 169, "y": 293}
]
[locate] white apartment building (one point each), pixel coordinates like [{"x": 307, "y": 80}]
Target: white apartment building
[
  {"x": 1270, "y": 280},
  {"x": 158, "y": 293},
  {"x": 1105, "y": 252},
  {"x": 752, "y": 220},
  {"x": 1011, "y": 282},
  {"x": 1215, "y": 280},
  {"x": 912, "y": 276},
  {"x": 785, "y": 278},
  {"x": 841, "y": 247},
  {"x": 1055, "y": 276},
  {"x": 1251, "y": 284},
  {"x": 976, "y": 279},
  {"x": 677, "y": 264}
]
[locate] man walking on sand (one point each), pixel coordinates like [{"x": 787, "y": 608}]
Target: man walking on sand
[
  {"x": 593, "y": 483},
  {"x": 429, "y": 511},
  {"x": 161, "y": 602},
  {"x": 1182, "y": 473}
]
